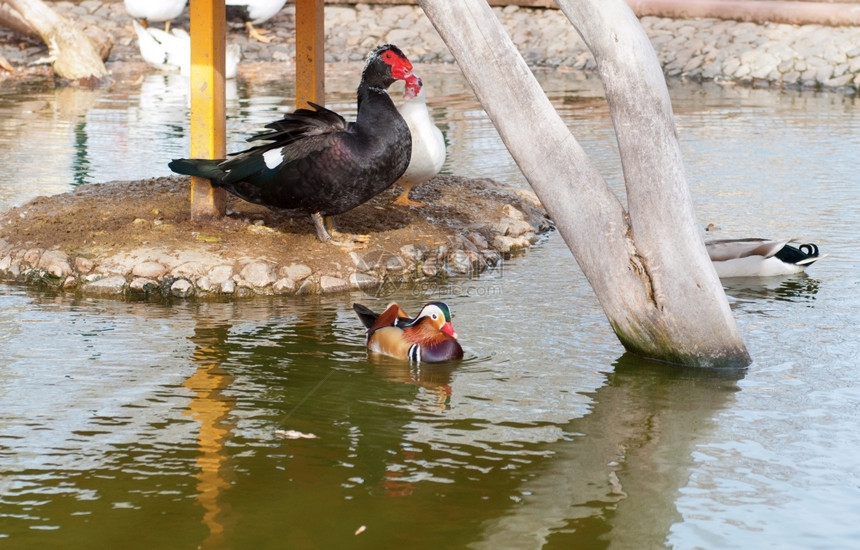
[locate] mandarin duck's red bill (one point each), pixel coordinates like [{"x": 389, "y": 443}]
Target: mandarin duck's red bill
[{"x": 429, "y": 337}]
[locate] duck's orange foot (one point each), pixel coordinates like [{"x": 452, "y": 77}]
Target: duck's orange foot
[
  {"x": 404, "y": 200},
  {"x": 258, "y": 34}
]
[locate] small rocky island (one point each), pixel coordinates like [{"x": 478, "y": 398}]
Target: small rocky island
[{"x": 137, "y": 238}]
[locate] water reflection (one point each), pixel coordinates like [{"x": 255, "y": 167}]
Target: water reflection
[
  {"x": 615, "y": 476},
  {"x": 248, "y": 386},
  {"x": 211, "y": 407},
  {"x": 433, "y": 377},
  {"x": 745, "y": 292},
  {"x": 39, "y": 131}
]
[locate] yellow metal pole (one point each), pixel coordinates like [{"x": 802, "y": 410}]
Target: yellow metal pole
[
  {"x": 310, "y": 52},
  {"x": 208, "y": 121}
]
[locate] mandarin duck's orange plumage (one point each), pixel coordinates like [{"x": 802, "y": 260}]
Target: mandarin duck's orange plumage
[{"x": 429, "y": 337}]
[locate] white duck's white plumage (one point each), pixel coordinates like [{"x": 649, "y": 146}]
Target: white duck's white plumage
[
  {"x": 155, "y": 10},
  {"x": 169, "y": 51},
  {"x": 760, "y": 257},
  {"x": 254, "y": 12},
  {"x": 428, "y": 143},
  {"x": 258, "y": 11}
]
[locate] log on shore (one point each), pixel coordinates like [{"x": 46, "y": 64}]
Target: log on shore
[{"x": 75, "y": 58}]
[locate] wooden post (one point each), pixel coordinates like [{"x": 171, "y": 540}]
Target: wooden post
[
  {"x": 208, "y": 119},
  {"x": 310, "y": 52}
]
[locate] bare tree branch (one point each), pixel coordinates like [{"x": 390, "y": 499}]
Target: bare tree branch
[{"x": 649, "y": 270}]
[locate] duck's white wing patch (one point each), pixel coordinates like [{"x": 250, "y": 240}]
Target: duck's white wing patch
[
  {"x": 273, "y": 158},
  {"x": 755, "y": 266}
]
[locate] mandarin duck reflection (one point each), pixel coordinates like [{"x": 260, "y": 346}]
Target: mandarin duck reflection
[{"x": 429, "y": 337}]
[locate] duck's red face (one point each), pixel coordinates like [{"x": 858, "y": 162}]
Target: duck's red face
[
  {"x": 438, "y": 318},
  {"x": 401, "y": 68},
  {"x": 413, "y": 87}
]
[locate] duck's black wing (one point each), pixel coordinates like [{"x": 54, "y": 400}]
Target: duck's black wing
[
  {"x": 803, "y": 254},
  {"x": 293, "y": 171},
  {"x": 302, "y": 123},
  {"x": 368, "y": 316}
]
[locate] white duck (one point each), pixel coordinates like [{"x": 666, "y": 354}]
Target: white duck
[
  {"x": 760, "y": 257},
  {"x": 172, "y": 50},
  {"x": 254, "y": 12},
  {"x": 155, "y": 10},
  {"x": 428, "y": 144}
]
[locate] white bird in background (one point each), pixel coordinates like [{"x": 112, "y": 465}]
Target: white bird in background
[
  {"x": 428, "y": 144},
  {"x": 760, "y": 257},
  {"x": 172, "y": 50},
  {"x": 155, "y": 10},
  {"x": 254, "y": 12}
]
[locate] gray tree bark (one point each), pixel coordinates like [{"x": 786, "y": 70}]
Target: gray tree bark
[
  {"x": 648, "y": 267},
  {"x": 74, "y": 55}
]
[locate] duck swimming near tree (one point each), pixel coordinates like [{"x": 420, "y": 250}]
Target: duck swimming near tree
[
  {"x": 760, "y": 257},
  {"x": 430, "y": 337}
]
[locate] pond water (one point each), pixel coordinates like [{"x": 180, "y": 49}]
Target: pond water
[{"x": 156, "y": 425}]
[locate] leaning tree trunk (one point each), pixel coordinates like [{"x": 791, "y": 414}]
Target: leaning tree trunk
[
  {"x": 75, "y": 57},
  {"x": 648, "y": 268}
]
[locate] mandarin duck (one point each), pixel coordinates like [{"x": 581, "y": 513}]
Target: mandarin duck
[
  {"x": 314, "y": 162},
  {"x": 760, "y": 257},
  {"x": 429, "y": 337},
  {"x": 428, "y": 143}
]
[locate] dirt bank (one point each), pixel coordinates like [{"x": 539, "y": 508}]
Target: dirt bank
[{"x": 136, "y": 238}]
